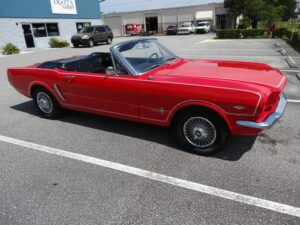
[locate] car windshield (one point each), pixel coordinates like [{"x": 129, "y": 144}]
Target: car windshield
[
  {"x": 86, "y": 30},
  {"x": 202, "y": 24},
  {"x": 145, "y": 55},
  {"x": 185, "y": 25}
]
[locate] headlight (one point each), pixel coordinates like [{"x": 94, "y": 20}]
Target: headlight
[{"x": 85, "y": 37}]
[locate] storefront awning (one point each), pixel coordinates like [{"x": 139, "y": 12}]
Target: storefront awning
[{"x": 204, "y": 15}]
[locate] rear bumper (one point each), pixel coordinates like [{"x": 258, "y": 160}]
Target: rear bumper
[{"x": 270, "y": 121}]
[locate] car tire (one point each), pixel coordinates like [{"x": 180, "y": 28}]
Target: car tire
[
  {"x": 75, "y": 45},
  {"x": 200, "y": 130},
  {"x": 46, "y": 103},
  {"x": 109, "y": 40},
  {"x": 91, "y": 43}
]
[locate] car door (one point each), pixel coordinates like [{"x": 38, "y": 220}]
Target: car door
[
  {"x": 113, "y": 95},
  {"x": 101, "y": 33},
  {"x": 97, "y": 34}
]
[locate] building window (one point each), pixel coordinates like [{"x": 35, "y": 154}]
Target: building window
[
  {"x": 45, "y": 29},
  {"x": 80, "y": 26},
  {"x": 39, "y": 30},
  {"x": 52, "y": 29}
]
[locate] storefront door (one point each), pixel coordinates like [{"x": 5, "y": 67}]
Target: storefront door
[{"x": 28, "y": 35}]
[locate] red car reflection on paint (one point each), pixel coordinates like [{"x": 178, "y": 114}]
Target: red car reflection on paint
[{"x": 140, "y": 80}]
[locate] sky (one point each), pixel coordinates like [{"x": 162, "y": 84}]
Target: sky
[{"x": 133, "y": 5}]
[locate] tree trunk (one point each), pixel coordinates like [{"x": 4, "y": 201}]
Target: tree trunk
[{"x": 254, "y": 24}]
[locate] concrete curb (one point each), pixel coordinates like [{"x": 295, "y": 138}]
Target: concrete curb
[{"x": 291, "y": 62}]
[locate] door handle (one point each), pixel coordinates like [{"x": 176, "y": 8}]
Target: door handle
[{"x": 69, "y": 78}]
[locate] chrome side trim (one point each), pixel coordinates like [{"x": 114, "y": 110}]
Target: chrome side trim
[
  {"x": 270, "y": 121},
  {"x": 58, "y": 92}
]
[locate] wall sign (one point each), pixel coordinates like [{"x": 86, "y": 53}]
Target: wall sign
[{"x": 63, "y": 6}]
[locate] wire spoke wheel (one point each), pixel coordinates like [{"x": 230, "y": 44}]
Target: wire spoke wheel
[
  {"x": 44, "y": 102},
  {"x": 200, "y": 132}
]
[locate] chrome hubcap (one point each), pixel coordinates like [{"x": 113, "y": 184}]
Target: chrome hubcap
[
  {"x": 200, "y": 132},
  {"x": 44, "y": 102},
  {"x": 109, "y": 41},
  {"x": 91, "y": 43}
]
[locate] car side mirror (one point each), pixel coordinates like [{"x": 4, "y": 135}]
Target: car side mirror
[{"x": 110, "y": 71}]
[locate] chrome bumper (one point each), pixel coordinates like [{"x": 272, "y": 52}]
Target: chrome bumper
[{"x": 269, "y": 122}]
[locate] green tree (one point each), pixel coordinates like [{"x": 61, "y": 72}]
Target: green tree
[
  {"x": 255, "y": 10},
  {"x": 289, "y": 11}
]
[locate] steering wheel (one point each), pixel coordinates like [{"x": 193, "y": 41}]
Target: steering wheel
[{"x": 153, "y": 55}]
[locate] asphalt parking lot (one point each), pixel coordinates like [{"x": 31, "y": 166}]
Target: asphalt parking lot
[{"x": 128, "y": 173}]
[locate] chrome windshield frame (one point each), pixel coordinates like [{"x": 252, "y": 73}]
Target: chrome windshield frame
[{"x": 114, "y": 51}]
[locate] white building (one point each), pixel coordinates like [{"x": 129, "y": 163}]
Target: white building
[
  {"x": 159, "y": 19},
  {"x": 31, "y": 23}
]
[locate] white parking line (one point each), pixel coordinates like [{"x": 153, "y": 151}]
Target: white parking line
[
  {"x": 291, "y": 71},
  {"x": 245, "y": 199},
  {"x": 293, "y": 101}
]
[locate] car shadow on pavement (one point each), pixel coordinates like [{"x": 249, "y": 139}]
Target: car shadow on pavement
[{"x": 236, "y": 147}]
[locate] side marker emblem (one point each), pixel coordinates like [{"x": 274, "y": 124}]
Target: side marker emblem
[{"x": 239, "y": 107}]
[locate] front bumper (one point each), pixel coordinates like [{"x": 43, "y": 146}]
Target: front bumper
[
  {"x": 171, "y": 32},
  {"x": 183, "y": 32},
  {"x": 80, "y": 41},
  {"x": 200, "y": 30},
  {"x": 270, "y": 121}
]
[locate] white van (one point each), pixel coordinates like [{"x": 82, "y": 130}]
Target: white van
[{"x": 202, "y": 27}]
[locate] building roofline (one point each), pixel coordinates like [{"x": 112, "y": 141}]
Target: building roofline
[
  {"x": 60, "y": 18},
  {"x": 159, "y": 9}
]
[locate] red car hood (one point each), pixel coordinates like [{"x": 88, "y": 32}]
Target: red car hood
[{"x": 255, "y": 73}]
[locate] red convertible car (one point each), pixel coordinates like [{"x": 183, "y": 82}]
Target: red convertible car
[{"x": 141, "y": 80}]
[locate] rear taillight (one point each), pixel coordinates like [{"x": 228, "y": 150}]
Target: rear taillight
[{"x": 272, "y": 101}]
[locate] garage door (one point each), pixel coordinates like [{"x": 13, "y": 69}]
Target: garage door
[{"x": 115, "y": 24}]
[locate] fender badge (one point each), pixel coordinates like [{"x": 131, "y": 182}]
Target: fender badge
[
  {"x": 239, "y": 107},
  {"x": 162, "y": 111}
]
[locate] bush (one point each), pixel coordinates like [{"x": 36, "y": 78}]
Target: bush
[
  {"x": 10, "y": 49},
  {"x": 289, "y": 37},
  {"x": 294, "y": 40},
  {"x": 57, "y": 43},
  {"x": 280, "y": 32},
  {"x": 241, "y": 33},
  {"x": 228, "y": 33}
]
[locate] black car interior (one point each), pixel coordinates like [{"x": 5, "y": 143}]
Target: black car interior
[{"x": 94, "y": 63}]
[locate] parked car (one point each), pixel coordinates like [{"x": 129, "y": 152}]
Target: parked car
[
  {"x": 202, "y": 27},
  {"x": 172, "y": 30},
  {"x": 186, "y": 28},
  {"x": 134, "y": 29},
  {"x": 92, "y": 35},
  {"x": 204, "y": 101}
]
